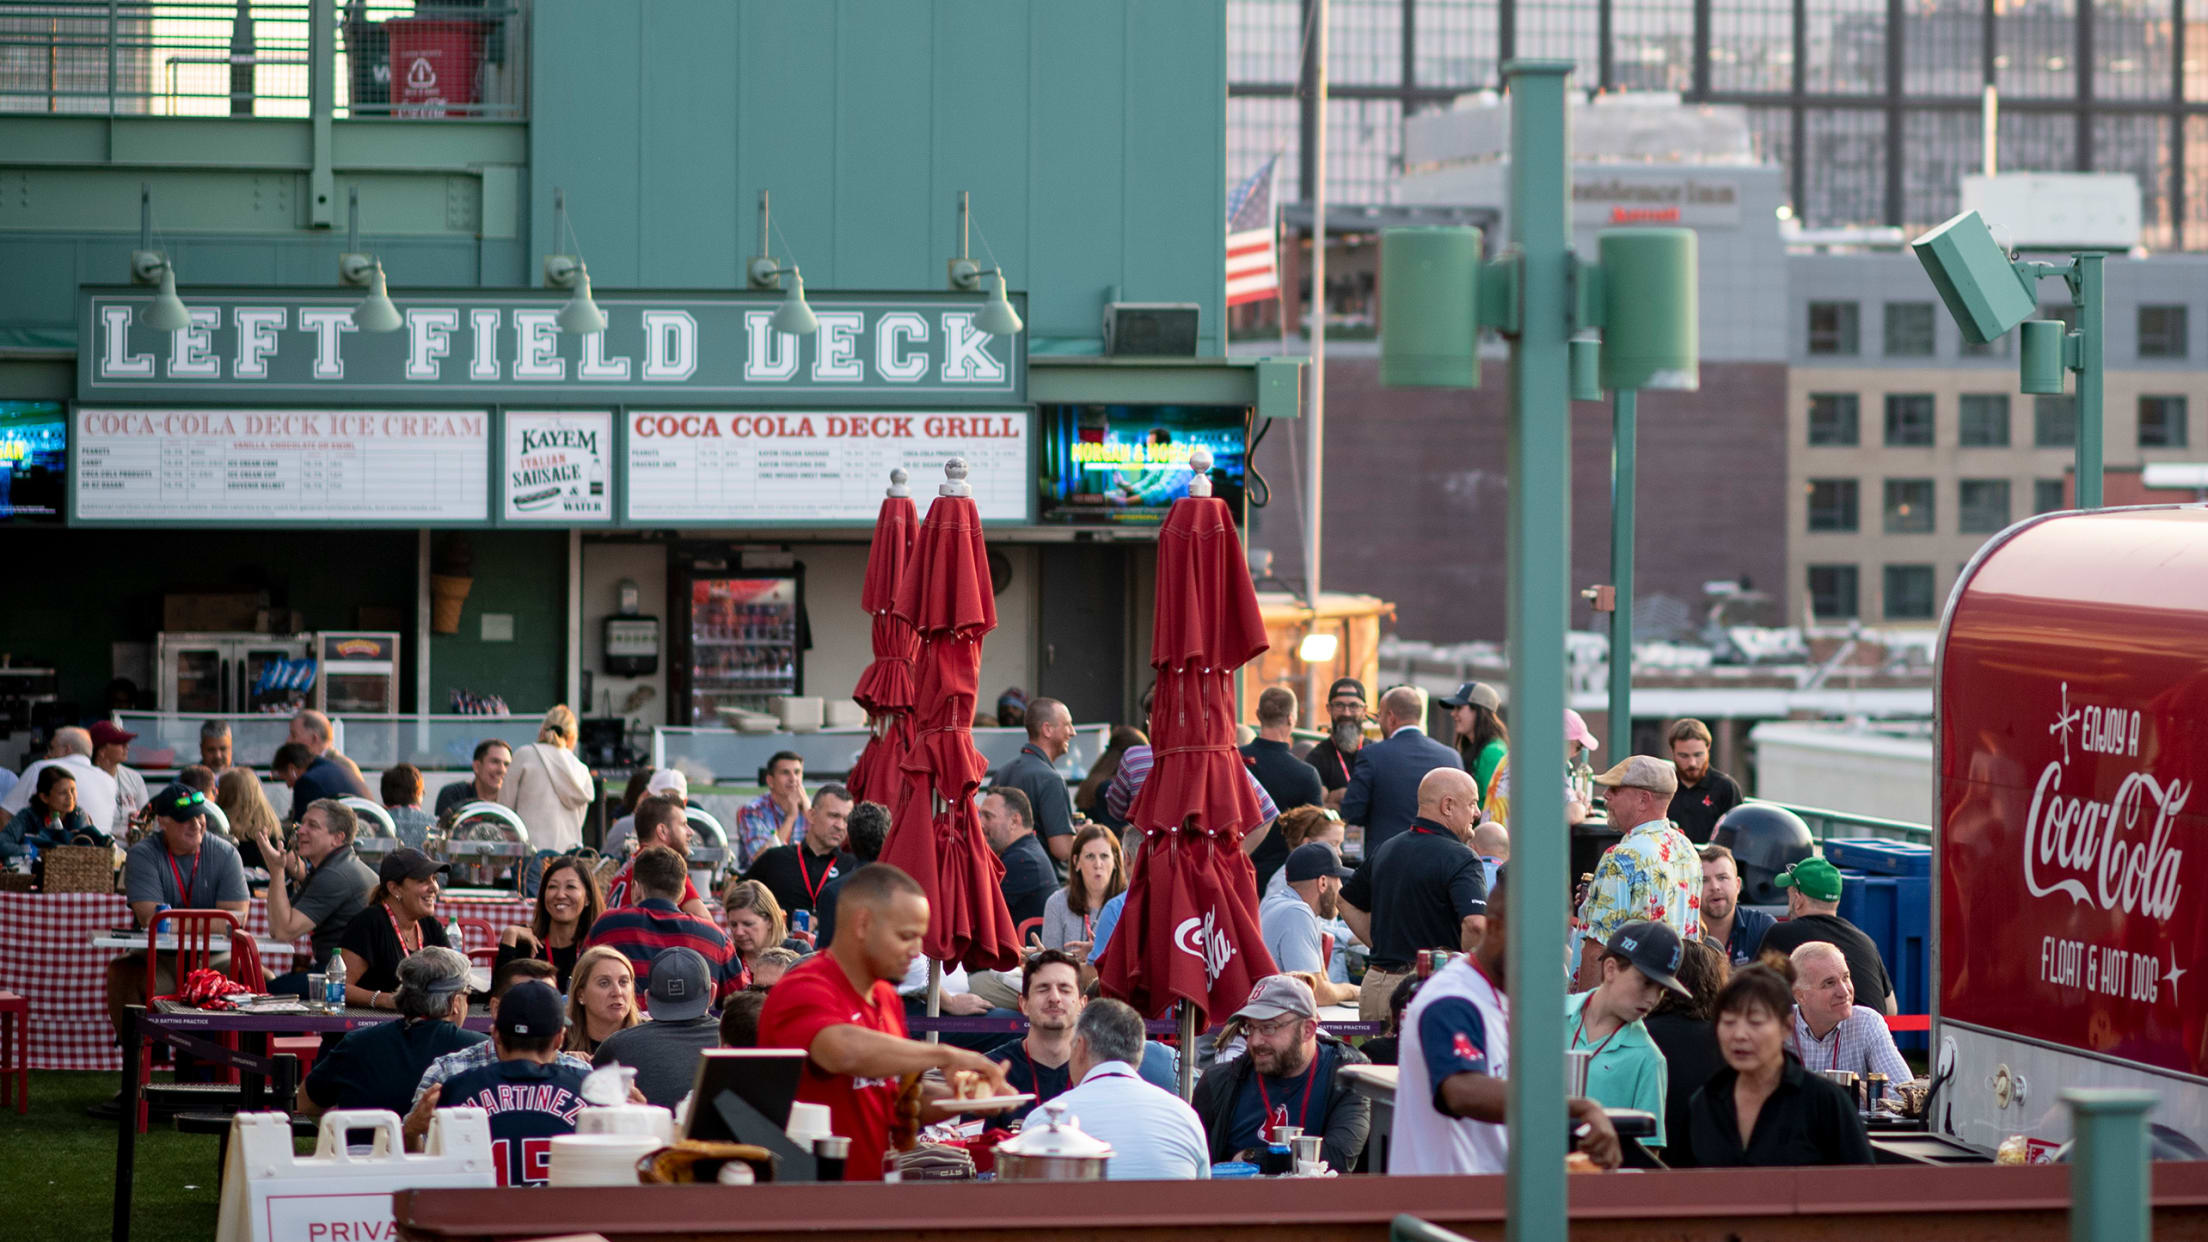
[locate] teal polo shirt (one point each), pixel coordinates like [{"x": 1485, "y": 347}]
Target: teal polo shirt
[{"x": 1628, "y": 1072}]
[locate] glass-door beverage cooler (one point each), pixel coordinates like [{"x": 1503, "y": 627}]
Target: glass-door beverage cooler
[{"x": 740, "y": 628}]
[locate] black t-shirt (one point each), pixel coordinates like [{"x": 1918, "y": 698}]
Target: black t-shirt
[
  {"x": 1291, "y": 783},
  {"x": 1697, "y": 808},
  {"x": 1029, "y": 878},
  {"x": 1264, "y": 1102},
  {"x": 1331, "y": 764},
  {"x": 1807, "y": 1121},
  {"x": 1418, "y": 888},
  {"x": 1691, "y": 1057},
  {"x": 371, "y": 935},
  {"x": 1865, "y": 967},
  {"x": 798, "y": 883},
  {"x": 458, "y": 793},
  {"x": 562, "y": 960},
  {"x": 1026, "y": 1074},
  {"x": 380, "y": 1066}
]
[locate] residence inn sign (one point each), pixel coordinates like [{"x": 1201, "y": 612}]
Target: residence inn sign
[{"x": 475, "y": 346}]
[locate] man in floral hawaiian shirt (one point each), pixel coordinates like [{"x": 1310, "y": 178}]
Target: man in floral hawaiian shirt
[{"x": 1653, "y": 873}]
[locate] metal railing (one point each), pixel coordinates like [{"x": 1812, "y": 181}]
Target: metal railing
[
  {"x": 1825, "y": 824},
  {"x": 225, "y": 58}
]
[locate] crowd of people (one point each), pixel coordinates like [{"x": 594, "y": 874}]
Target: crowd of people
[{"x": 1716, "y": 1019}]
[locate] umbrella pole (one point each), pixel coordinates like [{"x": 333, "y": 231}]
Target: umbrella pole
[
  {"x": 935, "y": 996},
  {"x": 1188, "y": 1050}
]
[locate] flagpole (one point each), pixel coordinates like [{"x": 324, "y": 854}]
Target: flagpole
[{"x": 1316, "y": 432}]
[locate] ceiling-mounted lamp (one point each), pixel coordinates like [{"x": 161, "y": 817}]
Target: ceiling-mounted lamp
[
  {"x": 580, "y": 316},
  {"x": 356, "y": 267},
  {"x": 167, "y": 312},
  {"x": 997, "y": 316},
  {"x": 794, "y": 316}
]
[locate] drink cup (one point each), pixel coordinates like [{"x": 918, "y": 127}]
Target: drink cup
[
  {"x": 1309, "y": 1150},
  {"x": 1575, "y": 1071},
  {"x": 317, "y": 986}
]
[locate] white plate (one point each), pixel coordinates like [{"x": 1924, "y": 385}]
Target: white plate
[{"x": 995, "y": 1101}]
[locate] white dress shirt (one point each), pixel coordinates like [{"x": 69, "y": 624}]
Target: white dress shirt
[
  {"x": 96, "y": 790},
  {"x": 1155, "y": 1135}
]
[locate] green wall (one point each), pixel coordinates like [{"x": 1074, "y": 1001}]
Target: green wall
[{"x": 524, "y": 575}]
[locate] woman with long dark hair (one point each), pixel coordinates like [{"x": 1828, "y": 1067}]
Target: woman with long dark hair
[
  {"x": 1764, "y": 1109},
  {"x": 51, "y": 817},
  {"x": 1482, "y": 737},
  {"x": 1097, "y": 875},
  {"x": 568, "y": 903}
]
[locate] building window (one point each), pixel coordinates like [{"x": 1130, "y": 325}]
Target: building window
[
  {"x": 1832, "y": 505},
  {"x": 1909, "y": 593},
  {"x": 1982, "y": 506},
  {"x": 1832, "y": 418},
  {"x": 2161, "y": 422},
  {"x": 2162, "y": 331},
  {"x": 2055, "y": 422},
  {"x": 1832, "y": 328},
  {"x": 1909, "y": 420},
  {"x": 1909, "y": 330},
  {"x": 1832, "y": 591},
  {"x": 1985, "y": 420},
  {"x": 2049, "y": 496},
  {"x": 1908, "y": 506}
]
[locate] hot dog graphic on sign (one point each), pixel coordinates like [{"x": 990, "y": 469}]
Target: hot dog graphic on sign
[{"x": 556, "y": 467}]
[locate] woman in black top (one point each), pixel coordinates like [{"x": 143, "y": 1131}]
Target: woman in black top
[
  {"x": 399, "y": 920},
  {"x": 568, "y": 903},
  {"x": 1685, "y": 1030},
  {"x": 1763, "y": 1108}
]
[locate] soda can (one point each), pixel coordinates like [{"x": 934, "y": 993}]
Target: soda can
[
  {"x": 1425, "y": 963},
  {"x": 801, "y": 921}
]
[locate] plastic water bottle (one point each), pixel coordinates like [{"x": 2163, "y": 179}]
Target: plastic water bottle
[
  {"x": 333, "y": 983},
  {"x": 455, "y": 937}
]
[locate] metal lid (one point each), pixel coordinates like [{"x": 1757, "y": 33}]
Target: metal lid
[{"x": 1058, "y": 1133}]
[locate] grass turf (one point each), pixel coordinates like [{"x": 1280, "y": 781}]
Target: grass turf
[{"x": 61, "y": 1169}]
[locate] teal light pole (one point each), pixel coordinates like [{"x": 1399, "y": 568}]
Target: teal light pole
[
  {"x": 1988, "y": 293},
  {"x": 1436, "y": 295},
  {"x": 2111, "y": 1191},
  {"x": 1624, "y": 418}
]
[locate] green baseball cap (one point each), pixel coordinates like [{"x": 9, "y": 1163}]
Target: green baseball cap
[{"x": 1819, "y": 880}]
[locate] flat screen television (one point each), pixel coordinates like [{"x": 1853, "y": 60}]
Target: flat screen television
[
  {"x": 34, "y": 463},
  {"x": 1125, "y": 465}
]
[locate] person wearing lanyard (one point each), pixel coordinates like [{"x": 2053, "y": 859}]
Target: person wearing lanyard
[
  {"x": 1041, "y": 1060},
  {"x": 1289, "y": 1077},
  {"x": 1625, "y": 1068},
  {"x": 1098, "y": 875},
  {"x": 1154, "y": 1135},
  {"x": 178, "y": 865},
  {"x": 1829, "y": 1030},
  {"x": 399, "y": 920},
  {"x": 797, "y": 873},
  {"x": 1335, "y": 757}
]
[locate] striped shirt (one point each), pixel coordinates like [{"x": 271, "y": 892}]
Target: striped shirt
[
  {"x": 1134, "y": 769},
  {"x": 652, "y": 926},
  {"x": 472, "y": 1057},
  {"x": 1859, "y": 1043}
]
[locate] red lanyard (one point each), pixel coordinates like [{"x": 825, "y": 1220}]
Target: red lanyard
[
  {"x": 1344, "y": 764},
  {"x": 401, "y": 936},
  {"x": 805, "y": 875},
  {"x": 184, "y": 886},
  {"x": 1834, "y": 1063},
  {"x": 1310, "y": 1078},
  {"x": 1579, "y": 1034},
  {"x": 1034, "y": 1078}
]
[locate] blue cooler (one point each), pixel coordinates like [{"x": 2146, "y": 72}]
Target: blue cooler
[{"x": 1888, "y": 893}]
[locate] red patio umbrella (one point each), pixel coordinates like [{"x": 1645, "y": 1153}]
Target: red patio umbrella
[
  {"x": 885, "y": 688},
  {"x": 934, "y": 834},
  {"x": 1189, "y": 930}
]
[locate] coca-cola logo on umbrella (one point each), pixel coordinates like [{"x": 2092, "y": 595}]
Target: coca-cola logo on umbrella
[{"x": 1204, "y": 940}]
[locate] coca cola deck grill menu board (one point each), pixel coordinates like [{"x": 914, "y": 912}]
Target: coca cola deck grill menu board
[
  {"x": 280, "y": 467},
  {"x": 702, "y": 467},
  {"x": 2074, "y": 726}
]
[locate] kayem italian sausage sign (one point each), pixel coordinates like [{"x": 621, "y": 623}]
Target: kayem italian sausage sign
[
  {"x": 703, "y": 467},
  {"x": 279, "y": 467},
  {"x": 558, "y": 467},
  {"x": 2073, "y": 835}
]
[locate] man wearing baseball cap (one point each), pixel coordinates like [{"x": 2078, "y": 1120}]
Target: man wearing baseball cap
[
  {"x": 527, "y": 1033},
  {"x": 1335, "y": 756},
  {"x": 1813, "y": 913},
  {"x": 1290, "y": 1076},
  {"x": 110, "y": 746},
  {"x": 663, "y": 783},
  {"x": 179, "y": 865},
  {"x": 1653, "y": 872},
  {"x": 1625, "y": 1068},
  {"x": 1289, "y": 918},
  {"x": 664, "y": 1052}
]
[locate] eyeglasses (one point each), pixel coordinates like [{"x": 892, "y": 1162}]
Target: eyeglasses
[{"x": 1282, "y": 1025}]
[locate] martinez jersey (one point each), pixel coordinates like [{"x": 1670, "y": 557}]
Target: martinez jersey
[
  {"x": 529, "y": 1105},
  {"x": 1459, "y": 1023}
]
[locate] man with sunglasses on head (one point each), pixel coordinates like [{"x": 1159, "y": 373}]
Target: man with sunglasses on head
[{"x": 1335, "y": 757}]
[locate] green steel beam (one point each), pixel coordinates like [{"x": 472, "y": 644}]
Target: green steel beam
[
  {"x": 2111, "y": 1196},
  {"x": 2086, "y": 292},
  {"x": 1188, "y": 381},
  {"x": 1540, "y": 559},
  {"x": 321, "y": 104},
  {"x": 257, "y": 143},
  {"x": 1624, "y": 415}
]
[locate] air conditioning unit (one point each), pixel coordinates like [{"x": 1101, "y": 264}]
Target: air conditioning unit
[{"x": 1150, "y": 329}]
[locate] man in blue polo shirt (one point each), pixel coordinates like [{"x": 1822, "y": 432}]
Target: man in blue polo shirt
[{"x": 532, "y": 1096}]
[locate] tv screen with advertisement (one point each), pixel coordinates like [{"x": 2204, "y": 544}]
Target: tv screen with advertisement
[
  {"x": 34, "y": 463},
  {"x": 1125, "y": 465}
]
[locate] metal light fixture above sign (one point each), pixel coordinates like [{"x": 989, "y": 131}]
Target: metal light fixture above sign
[
  {"x": 167, "y": 312},
  {"x": 963, "y": 273},
  {"x": 794, "y": 316},
  {"x": 357, "y": 267},
  {"x": 580, "y": 316}
]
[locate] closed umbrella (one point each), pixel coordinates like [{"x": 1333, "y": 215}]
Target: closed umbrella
[
  {"x": 885, "y": 688},
  {"x": 934, "y": 834},
  {"x": 1189, "y": 933}
]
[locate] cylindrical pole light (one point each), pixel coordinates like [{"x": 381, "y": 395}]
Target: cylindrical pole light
[
  {"x": 1624, "y": 414},
  {"x": 2090, "y": 315},
  {"x": 1315, "y": 433}
]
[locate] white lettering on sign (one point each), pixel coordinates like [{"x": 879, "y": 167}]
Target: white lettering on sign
[
  {"x": 836, "y": 348},
  {"x": 2108, "y": 970},
  {"x": 485, "y": 364},
  {"x": 257, "y": 328},
  {"x": 768, "y": 355},
  {"x": 191, "y": 351},
  {"x": 115, "y": 356},
  {"x": 595, "y": 364},
  {"x": 2087, "y": 849},
  {"x": 966, "y": 357},
  {"x": 329, "y": 327},
  {"x": 670, "y": 345},
  {"x": 537, "y": 346},
  {"x": 890, "y": 336},
  {"x": 428, "y": 341}
]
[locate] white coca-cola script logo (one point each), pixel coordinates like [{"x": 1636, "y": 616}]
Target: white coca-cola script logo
[
  {"x": 1203, "y": 940},
  {"x": 2092, "y": 851}
]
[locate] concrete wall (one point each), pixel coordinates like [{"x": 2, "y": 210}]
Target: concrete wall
[{"x": 1842, "y": 769}]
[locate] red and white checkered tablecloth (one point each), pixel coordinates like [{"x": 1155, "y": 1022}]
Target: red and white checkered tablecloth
[{"x": 46, "y": 956}]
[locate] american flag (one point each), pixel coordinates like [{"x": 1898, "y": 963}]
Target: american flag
[{"x": 1253, "y": 272}]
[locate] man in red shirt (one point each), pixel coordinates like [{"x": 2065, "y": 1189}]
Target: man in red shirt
[
  {"x": 841, "y": 1007},
  {"x": 660, "y": 820}
]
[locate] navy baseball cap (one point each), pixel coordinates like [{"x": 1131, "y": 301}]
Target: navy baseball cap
[
  {"x": 1313, "y": 859},
  {"x": 1349, "y": 686},
  {"x": 681, "y": 986},
  {"x": 531, "y": 1008},
  {"x": 1654, "y": 950}
]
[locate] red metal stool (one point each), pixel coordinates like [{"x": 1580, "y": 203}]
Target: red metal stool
[
  {"x": 15, "y": 1051},
  {"x": 303, "y": 1047}
]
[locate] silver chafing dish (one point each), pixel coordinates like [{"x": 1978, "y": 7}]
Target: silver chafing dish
[
  {"x": 377, "y": 835},
  {"x": 483, "y": 843},
  {"x": 709, "y": 848},
  {"x": 1052, "y": 1148}
]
